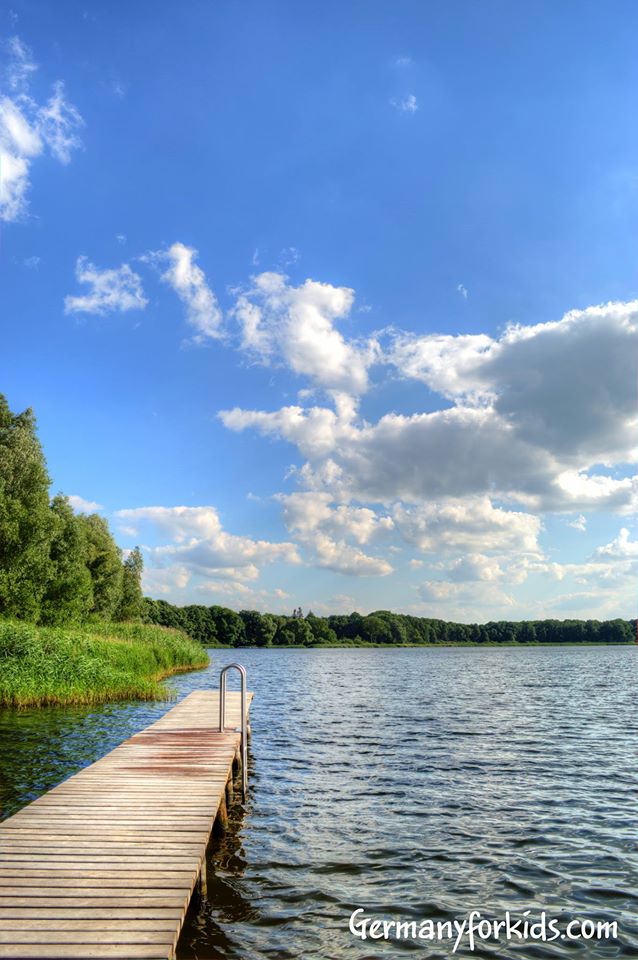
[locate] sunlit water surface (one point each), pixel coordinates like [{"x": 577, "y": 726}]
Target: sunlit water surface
[{"x": 415, "y": 783}]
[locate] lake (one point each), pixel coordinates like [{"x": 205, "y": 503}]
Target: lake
[{"x": 414, "y": 783}]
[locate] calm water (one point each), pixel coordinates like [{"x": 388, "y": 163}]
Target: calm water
[{"x": 414, "y": 783}]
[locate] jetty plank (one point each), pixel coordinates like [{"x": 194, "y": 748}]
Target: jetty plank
[{"x": 104, "y": 865}]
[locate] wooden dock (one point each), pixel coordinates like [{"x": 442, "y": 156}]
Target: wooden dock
[{"x": 105, "y": 864}]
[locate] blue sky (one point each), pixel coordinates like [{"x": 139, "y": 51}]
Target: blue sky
[{"x": 333, "y": 305}]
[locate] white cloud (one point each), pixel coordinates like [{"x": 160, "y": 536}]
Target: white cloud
[
  {"x": 19, "y": 65},
  {"x": 180, "y": 524},
  {"x": 27, "y": 127},
  {"x": 80, "y": 505},
  {"x": 580, "y": 523},
  {"x": 165, "y": 581},
  {"x": 622, "y": 548},
  {"x": 406, "y": 104},
  {"x": 312, "y": 510},
  {"x": 239, "y": 595},
  {"x": 343, "y": 558},
  {"x": 447, "y": 364},
  {"x": 534, "y": 416},
  {"x": 475, "y": 566},
  {"x": 469, "y": 525},
  {"x": 463, "y": 291},
  {"x": 58, "y": 122},
  {"x": 566, "y": 386},
  {"x": 199, "y": 544},
  {"x": 322, "y": 530},
  {"x": 110, "y": 290},
  {"x": 188, "y": 280},
  {"x": 450, "y": 600},
  {"x": 279, "y": 321}
]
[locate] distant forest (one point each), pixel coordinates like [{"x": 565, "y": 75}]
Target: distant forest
[{"x": 217, "y": 625}]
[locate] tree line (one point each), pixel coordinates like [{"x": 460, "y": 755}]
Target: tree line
[
  {"x": 56, "y": 567},
  {"x": 218, "y": 625}
]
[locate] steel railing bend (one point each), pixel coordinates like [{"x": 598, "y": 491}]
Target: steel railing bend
[{"x": 244, "y": 728}]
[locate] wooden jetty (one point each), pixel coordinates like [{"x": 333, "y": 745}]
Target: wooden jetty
[{"x": 105, "y": 864}]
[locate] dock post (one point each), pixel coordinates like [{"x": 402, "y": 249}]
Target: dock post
[
  {"x": 202, "y": 886},
  {"x": 221, "y": 820}
]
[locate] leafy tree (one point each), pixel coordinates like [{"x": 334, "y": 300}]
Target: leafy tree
[
  {"x": 68, "y": 597},
  {"x": 131, "y": 601},
  {"x": 294, "y": 631},
  {"x": 198, "y": 623},
  {"x": 376, "y": 630},
  {"x": 104, "y": 561},
  {"x": 26, "y": 521},
  {"x": 259, "y": 629},
  {"x": 229, "y": 626},
  {"x": 163, "y": 613},
  {"x": 321, "y": 632}
]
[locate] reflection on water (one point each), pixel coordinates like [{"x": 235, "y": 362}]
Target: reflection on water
[{"x": 414, "y": 783}]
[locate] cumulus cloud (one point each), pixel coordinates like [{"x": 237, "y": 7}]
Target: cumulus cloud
[
  {"x": 341, "y": 557},
  {"x": 312, "y": 510},
  {"x": 27, "y": 128},
  {"x": 565, "y": 386},
  {"x": 323, "y": 531},
  {"x": 188, "y": 280},
  {"x": 622, "y": 548},
  {"x": 297, "y": 325},
  {"x": 470, "y": 525},
  {"x": 199, "y": 544},
  {"x": 534, "y": 418},
  {"x": 110, "y": 290}
]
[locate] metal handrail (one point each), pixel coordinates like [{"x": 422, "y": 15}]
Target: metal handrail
[{"x": 222, "y": 719}]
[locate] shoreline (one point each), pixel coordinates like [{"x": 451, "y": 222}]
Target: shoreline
[{"x": 417, "y": 646}]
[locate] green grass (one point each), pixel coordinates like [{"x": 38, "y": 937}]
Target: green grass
[{"x": 92, "y": 663}]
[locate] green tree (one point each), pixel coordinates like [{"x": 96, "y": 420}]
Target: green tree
[
  {"x": 26, "y": 521},
  {"x": 376, "y": 630},
  {"x": 229, "y": 625},
  {"x": 104, "y": 561},
  {"x": 294, "y": 631},
  {"x": 131, "y": 603},
  {"x": 259, "y": 628},
  {"x": 321, "y": 632},
  {"x": 68, "y": 597}
]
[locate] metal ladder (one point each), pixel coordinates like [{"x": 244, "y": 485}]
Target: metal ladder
[{"x": 244, "y": 726}]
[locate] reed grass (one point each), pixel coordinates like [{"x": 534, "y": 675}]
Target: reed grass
[{"x": 92, "y": 663}]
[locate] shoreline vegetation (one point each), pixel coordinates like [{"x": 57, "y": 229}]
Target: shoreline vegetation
[{"x": 92, "y": 663}]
